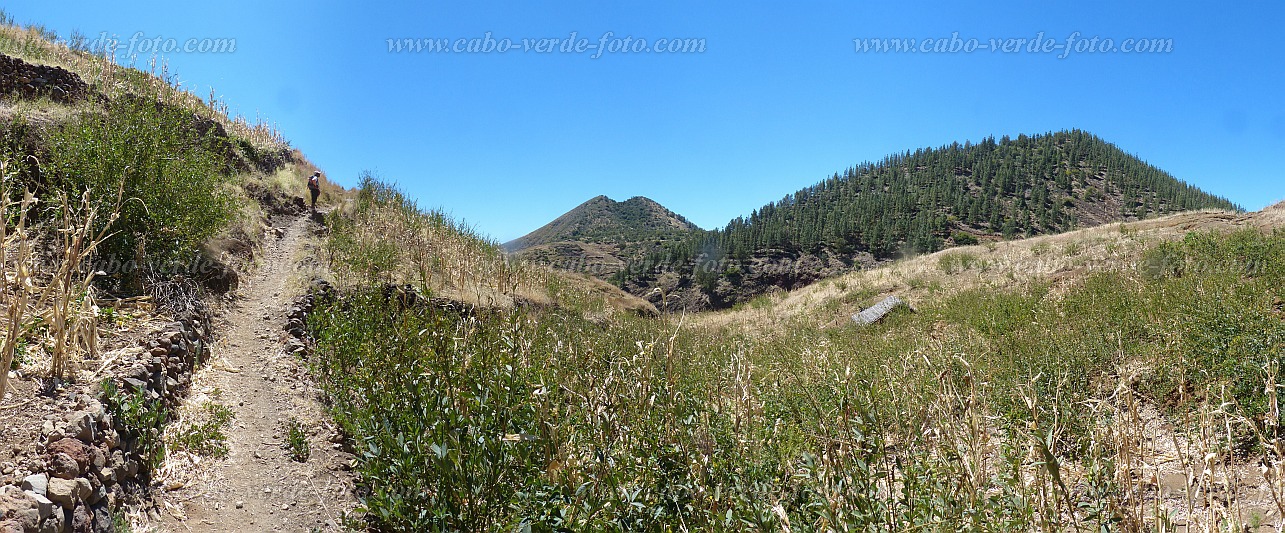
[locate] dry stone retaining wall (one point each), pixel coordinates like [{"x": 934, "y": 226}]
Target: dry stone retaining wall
[
  {"x": 25, "y": 80},
  {"x": 87, "y": 467}
]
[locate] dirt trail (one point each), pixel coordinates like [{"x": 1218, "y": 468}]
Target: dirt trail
[{"x": 259, "y": 487}]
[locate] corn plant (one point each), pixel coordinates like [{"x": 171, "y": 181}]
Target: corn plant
[
  {"x": 68, "y": 297},
  {"x": 17, "y": 284}
]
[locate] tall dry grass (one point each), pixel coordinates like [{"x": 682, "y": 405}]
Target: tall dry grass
[
  {"x": 59, "y": 296},
  {"x": 68, "y": 297},
  {"x": 383, "y": 237}
]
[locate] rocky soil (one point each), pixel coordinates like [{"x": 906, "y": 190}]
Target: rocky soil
[{"x": 68, "y": 462}]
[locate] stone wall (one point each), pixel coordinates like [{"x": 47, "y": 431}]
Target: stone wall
[
  {"x": 25, "y": 80},
  {"x": 87, "y": 467}
]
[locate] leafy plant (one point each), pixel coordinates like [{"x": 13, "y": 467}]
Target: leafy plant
[
  {"x": 296, "y": 442},
  {"x": 204, "y": 434},
  {"x": 985, "y": 409},
  {"x": 140, "y": 420},
  {"x": 169, "y": 172}
]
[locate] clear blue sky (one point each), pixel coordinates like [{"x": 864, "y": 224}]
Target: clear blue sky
[{"x": 778, "y": 100}]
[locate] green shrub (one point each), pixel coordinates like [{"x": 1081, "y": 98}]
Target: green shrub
[
  {"x": 296, "y": 443},
  {"x": 176, "y": 193},
  {"x": 140, "y": 420},
  {"x": 956, "y": 262},
  {"x": 963, "y": 239},
  {"x": 543, "y": 420}
]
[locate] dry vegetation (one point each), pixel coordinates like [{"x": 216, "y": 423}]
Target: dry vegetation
[
  {"x": 49, "y": 300},
  {"x": 381, "y": 237},
  {"x": 1059, "y": 260},
  {"x": 1116, "y": 378},
  {"x": 34, "y": 43}
]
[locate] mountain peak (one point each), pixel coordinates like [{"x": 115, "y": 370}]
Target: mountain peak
[{"x": 603, "y": 220}]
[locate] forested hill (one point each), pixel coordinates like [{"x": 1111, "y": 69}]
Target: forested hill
[{"x": 918, "y": 202}]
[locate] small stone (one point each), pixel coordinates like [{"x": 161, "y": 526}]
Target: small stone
[
  {"x": 81, "y": 426},
  {"x": 285, "y": 507},
  {"x": 107, "y": 476},
  {"x": 83, "y": 488},
  {"x": 97, "y": 458},
  {"x": 135, "y": 384},
  {"x": 63, "y": 492},
  {"x": 77, "y": 450},
  {"x": 240, "y": 504},
  {"x": 96, "y": 495},
  {"x": 63, "y": 466},
  {"x": 25, "y": 520},
  {"x": 43, "y": 506},
  {"x": 37, "y": 483},
  {"x": 81, "y": 519},
  {"x": 110, "y": 439},
  {"x": 58, "y": 521},
  {"x": 267, "y": 491}
]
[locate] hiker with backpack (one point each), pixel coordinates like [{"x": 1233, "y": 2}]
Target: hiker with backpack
[{"x": 314, "y": 187}]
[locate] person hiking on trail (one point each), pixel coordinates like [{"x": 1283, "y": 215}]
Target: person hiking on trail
[{"x": 314, "y": 187}]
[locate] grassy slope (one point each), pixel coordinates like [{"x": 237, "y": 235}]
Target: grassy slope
[
  {"x": 1059, "y": 260},
  {"x": 114, "y": 82},
  {"x": 1010, "y": 400}
]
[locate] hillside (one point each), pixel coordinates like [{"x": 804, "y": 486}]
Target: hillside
[
  {"x": 1107, "y": 378},
  {"x": 1088, "y": 363},
  {"x": 913, "y": 203},
  {"x": 1062, "y": 261},
  {"x": 601, "y": 235},
  {"x": 156, "y": 251}
]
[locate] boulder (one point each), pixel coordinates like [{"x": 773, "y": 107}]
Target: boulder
[
  {"x": 65, "y": 492},
  {"x": 36, "y": 483},
  {"x": 878, "y": 311},
  {"x": 75, "y": 449},
  {"x": 62, "y": 466}
]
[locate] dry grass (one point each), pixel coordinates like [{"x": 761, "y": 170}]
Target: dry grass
[
  {"x": 382, "y": 237},
  {"x": 1056, "y": 259},
  {"x": 114, "y": 81},
  {"x": 18, "y": 274},
  {"x": 72, "y": 315},
  {"x": 62, "y": 301}
]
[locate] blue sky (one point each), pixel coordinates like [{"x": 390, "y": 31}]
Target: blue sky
[{"x": 778, "y": 100}]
